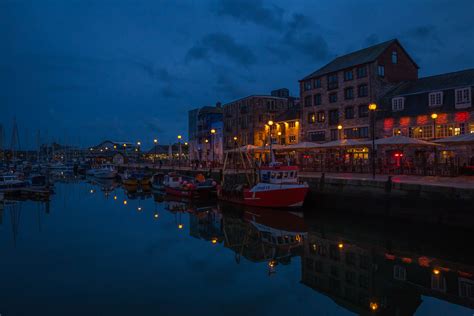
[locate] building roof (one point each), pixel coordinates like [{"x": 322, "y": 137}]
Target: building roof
[
  {"x": 289, "y": 115},
  {"x": 359, "y": 57},
  {"x": 435, "y": 83},
  {"x": 210, "y": 110},
  {"x": 255, "y": 96}
]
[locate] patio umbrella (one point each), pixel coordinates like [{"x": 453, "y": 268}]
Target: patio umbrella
[
  {"x": 464, "y": 138},
  {"x": 245, "y": 148},
  {"x": 344, "y": 143},
  {"x": 302, "y": 145},
  {"x": 403, "y": 140}
]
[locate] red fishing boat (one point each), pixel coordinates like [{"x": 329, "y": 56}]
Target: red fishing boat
[{"x": 277, "y": 186}]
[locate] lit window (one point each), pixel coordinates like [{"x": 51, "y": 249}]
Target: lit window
[
  {"x": 292, "y": 139},
  {"x": 435, "y": 99},
  {"x": 463, "y": 98},
  {"x": 398, "y": 104},
  {"x": 292, "y": 124},
  {"x": 311, "y": 118}
]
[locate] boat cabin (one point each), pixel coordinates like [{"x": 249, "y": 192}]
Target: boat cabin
[{"x": 279, "y": 174}]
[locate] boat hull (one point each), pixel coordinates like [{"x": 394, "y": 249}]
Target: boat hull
[{"x": 274, "y": 198}]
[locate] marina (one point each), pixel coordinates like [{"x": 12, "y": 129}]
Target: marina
[{"x": 93, "y": 243}]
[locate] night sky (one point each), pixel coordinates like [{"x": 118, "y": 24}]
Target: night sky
[{"x": 85, "y": 71}]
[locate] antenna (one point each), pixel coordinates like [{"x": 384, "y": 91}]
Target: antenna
[{"x": 15, "y": 142}]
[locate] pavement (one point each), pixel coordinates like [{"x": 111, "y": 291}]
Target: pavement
[{"x": 462, "y": 182}]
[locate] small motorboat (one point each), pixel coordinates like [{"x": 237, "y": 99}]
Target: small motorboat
[
  {"x": 188, "y": 187},
  {"x": 106, "y": 171},
  {"x": 157, "y": 181},
  {"x": 11, "y": 181}
]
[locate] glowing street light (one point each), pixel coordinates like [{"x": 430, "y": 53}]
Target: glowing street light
[{"x": 372, "y": 109}]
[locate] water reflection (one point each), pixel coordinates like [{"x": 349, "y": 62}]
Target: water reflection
[{"x": 364, "y": 267}]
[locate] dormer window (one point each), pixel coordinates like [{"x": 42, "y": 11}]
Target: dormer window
[
  {"x": 463, "y": 98},
  {"x": 394, "y": 57},
  {"x": 307, "y": 85},
  {"x": 398, "y": 104},
  {"x": 435, "y": 98}
]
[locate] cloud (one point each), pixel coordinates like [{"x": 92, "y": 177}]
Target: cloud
[
  {"x": 220, "y": 44},
  {"x": 252, "y": 11}
]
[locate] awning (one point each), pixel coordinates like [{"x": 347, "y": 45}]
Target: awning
[
  {"x": 301, "y": 146},
  {"x": 464, "y": 138},
  {"x": 403, "y": 140},
  {"x": 344, "y": 143}
]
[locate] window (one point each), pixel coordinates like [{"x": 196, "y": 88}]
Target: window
[
  {"x": 333, "y": 97},
  {"x": 463, "y": 98},
  {"x": 317, "y": 99},
  {"x": 399, "y": 273},
  {"x": 381, "y": 71},
  {"x": 362, "y": 72},
  {"x": 307, "y": 100},
  {"x": 349, "y": 112},
  {"x": 356, "y": 132},
  {"x": 363, "y": 90},
  {"x": 435, "y": 99},
  {"x": 446, "y": 130},
  {"x": 466, "y": 288},
  {"x": 317, "y": 83},
  {"x": 349, "y": 93},
  {"x": 333, "y": 117},
  {"x": 292, "y": 139},
  {"x": 363, "y": 281},
  {"x": 397, "y": 131},
  {"x": 348, "y": 75},
  {"x": 334, "y": 134},
  {"x": 422, "y": 132},
  {"x": 307, "y": 85},
  {"x": 350, "y": 258},
  {"x": 292, "y": 124},
  {"x": 332, "y": 81},
  {"x": 311, "y": 118},
  {"x": 363, "y": 110},
  {"x": 394, "y": 57},
  {"x": 318, "y": 136},
  {"x": 398, "y": 104},
  {"x": 438, "y": 282},
  {"x": 321, "y": 116}
]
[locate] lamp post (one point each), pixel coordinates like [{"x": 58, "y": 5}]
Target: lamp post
[
  {"x": 179, "y": 151},
  {"x": 372, "y": 109},
  {"x": 235, "y": 150},
  {"x": 434, "y": 116},
  {"x": 339, "y": 128},
  {"x": 270, "y": 124},
  {"x": 155, "y": 143},
  {"x": 279, "y": 138},
  {"x": 213, "y": 132}
]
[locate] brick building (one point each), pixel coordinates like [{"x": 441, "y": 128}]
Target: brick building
[
  {"x": 406, "y": 110},
  {"x": 339, "y": 93},
  {"x": 246, "y": 118}
]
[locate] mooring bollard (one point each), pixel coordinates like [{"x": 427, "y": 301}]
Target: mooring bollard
[
  {"x": 388, "y": 185},
  {"x": 321, "y": 181}
]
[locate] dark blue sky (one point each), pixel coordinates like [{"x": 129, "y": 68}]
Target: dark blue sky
[{"x": 83, "y": 71}]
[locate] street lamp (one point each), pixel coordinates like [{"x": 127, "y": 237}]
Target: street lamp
[
  {"x": 213, "y": 132},
  {"x": 179, "y": 148},
  {"x": 339, "y": 127},
  {"x": 279, "y": 137},
  {"x": 372, "y": 109},
  {"x": 270, "y": 123},
  {"x": 155, "y": 142},
  {"x": 434, "y": 116}
]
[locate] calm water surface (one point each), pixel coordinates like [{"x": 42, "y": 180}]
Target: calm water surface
[{"x": 88, "y": 253}]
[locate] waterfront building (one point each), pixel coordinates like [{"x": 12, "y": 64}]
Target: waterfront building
[
  {"x": 246, "y": 119},
  {"x": 431, "y": 108},
  {"x": 335, "y": 98},
  {"x": 206, "y": 133},
  {"x": 117, "y": 152},
  {"x": 288, "y": 126}
]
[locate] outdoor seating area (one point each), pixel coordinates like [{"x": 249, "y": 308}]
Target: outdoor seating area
[{"x": 450, "y": 156}]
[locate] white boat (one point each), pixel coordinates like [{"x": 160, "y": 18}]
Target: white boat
[
  {"x": 10, "y": 181},
  {"x": 106, "y": 171}
]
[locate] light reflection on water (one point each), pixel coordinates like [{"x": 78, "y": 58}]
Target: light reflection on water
[{"x": 98, "y": 249}]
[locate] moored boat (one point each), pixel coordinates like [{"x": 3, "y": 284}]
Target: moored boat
[
  {"x": 188, "y": 187},
  {"x": 11, "y": 181},
  {"x": 106, "y": 171},
  {"x": 278, "y": 187}
]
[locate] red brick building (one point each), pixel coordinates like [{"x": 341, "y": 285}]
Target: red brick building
[{"x": 339, "y": 93}]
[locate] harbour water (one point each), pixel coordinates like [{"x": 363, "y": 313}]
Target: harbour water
[{"x": 96, "y": 249}]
